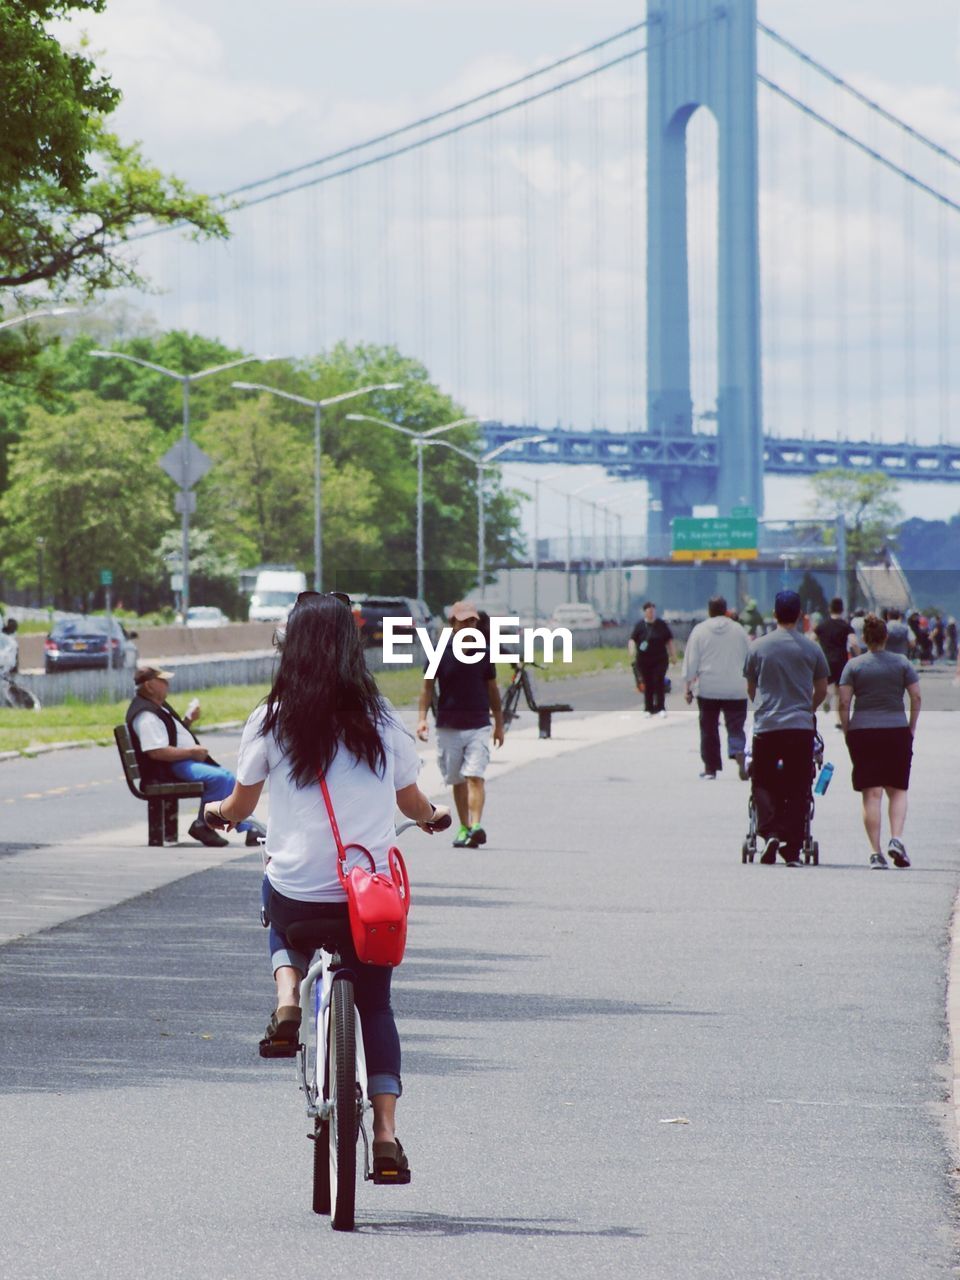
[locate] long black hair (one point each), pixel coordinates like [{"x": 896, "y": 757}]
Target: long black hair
[{"x": 323, "y": 696}]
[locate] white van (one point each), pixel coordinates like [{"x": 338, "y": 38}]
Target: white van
[
  {"x": 275, "y": 594},
  {"x": 576, "y": 617}
]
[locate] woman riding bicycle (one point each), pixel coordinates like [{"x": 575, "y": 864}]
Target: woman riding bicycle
[{"x": 325, "y": 715}]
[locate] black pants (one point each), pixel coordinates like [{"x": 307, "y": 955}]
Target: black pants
[
  {"x": 734, "y": 712},
  {"x": 782, "y": 774},
  {"x": 652, "y": 674}
]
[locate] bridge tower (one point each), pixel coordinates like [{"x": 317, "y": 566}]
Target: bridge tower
[{"x": 702, "y": 53}]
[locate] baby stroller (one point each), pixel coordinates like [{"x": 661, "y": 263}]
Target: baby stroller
[{"x": 810, "y": 849}]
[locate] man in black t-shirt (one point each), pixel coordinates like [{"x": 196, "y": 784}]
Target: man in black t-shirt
[
  {"x": 834, "y": 634},
  {"x": 651, "y": 649},
  {"x": 468, "y": 693}
]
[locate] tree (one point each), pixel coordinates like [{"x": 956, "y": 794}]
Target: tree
[
  {"x": 71, "y": 193},
  {"x": 258, "y": 499},
  {"x": 77, "y": 481},
  {"x": 866, "y": 500}
]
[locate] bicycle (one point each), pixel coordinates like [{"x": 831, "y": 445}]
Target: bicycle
[
  {"x": 520, "y": 683},
  {"x": 335, "y": 1080}
]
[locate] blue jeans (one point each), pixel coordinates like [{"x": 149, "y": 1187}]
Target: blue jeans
[
  {"x": 371, "y": 984},
  {"x": 217, "y": 783},
  {"x": 734, "y": 716}
]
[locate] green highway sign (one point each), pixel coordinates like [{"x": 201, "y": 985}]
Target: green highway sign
[
  {"x": 106, "y": 577},
  {"x": 715, "y": 538}
]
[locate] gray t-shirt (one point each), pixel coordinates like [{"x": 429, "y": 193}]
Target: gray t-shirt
[
  {"x": 879, "y": 681},
  {"x": 784, "y": 665},
  {"x": 898, "y": 638}
]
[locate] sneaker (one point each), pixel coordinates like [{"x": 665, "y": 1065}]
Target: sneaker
[
  {"x": 206, "y": 835},
  {"x": 662, "y": 714},
  {"x": 462, "y": 838},
  {"x": 741, "y": 759},
  {"x": 711, "y": 777},
  {"x": 771, "y": 849},
  {"x": 476, "y": 836},
  {"x": 898, "y": 854},
  {"x": 647, "y": 714},
  {"x": 878, "y": 862}
]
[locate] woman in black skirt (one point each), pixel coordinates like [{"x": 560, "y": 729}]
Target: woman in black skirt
[{"x": 879, "y": 736}]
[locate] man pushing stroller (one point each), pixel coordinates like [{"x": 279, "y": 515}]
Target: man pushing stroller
[{"x": 787, "y": 677}]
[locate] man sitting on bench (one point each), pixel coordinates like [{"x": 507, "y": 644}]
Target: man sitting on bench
[{"x": 168, "y": 750}]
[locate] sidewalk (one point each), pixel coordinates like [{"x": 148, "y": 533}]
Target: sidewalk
[{"x": 44, "y": 887}]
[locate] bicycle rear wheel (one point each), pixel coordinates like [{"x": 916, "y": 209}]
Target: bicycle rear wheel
[
  {"x": 11, "y": 695},
  {"x": 342, "y": 1085}
]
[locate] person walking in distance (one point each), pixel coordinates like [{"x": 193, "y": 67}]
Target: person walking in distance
[
  {"x": 838, "y": 640},
  {"x": 713, "y": 662},
  {"x": 651, "y": 650},
  {"x": 787, "y": 677},
  {"x": 898, "y": 634},
  {"x": 467, "y": 695},
  {"x": 879, "y": 736}
]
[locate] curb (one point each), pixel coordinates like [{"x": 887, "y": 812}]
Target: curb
[
  {"x": 953, "y": 1016},
  {"x": 45, "y": 748}
]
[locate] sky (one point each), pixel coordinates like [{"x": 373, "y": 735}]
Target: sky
[{"x": 225, "y": 91}]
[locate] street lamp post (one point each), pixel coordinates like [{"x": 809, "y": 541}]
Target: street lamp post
[
  {"x": 186, "y": 380},
  {"x": 37, "y": 315},
  {"x": 483, "y": 464},
  {"x": 317, "y": 406},
  {"x": 420, "y": 439},
  {"x": 40, "y": 545}
]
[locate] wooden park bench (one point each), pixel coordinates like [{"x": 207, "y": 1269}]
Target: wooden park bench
[{"x": 161, "y": 797}]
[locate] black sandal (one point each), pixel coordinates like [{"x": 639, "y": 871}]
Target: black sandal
[
  {"x": 282, "y": 1039},
  {"x": 390, "y": 1164}
]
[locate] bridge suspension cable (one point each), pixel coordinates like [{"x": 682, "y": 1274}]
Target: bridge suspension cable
[
  {"x": 859, "y": 144},
  {"x": 861, "y": 97}
]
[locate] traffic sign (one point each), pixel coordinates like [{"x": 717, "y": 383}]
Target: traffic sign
[
  {"x": 181, "y": 500},
  {"x": 186, "y": 463},
  {"x": 106, "y": 577},
  {"x": 714, "y": 538}
]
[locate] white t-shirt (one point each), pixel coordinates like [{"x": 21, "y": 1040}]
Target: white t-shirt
[
  {"x": 152, "y": 732},
  {"x": 300, "y": 843}
]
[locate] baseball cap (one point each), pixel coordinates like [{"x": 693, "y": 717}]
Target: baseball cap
[
  {"x": 464, "y": 610},
  {"x": 142, "y": 674}
]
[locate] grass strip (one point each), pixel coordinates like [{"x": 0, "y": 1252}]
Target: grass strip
[{"x": 93, "y": 722}]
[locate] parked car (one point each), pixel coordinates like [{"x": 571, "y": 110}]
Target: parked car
[
  {"x": 206, "y": 615},
  {"x": 370, "y": 611},
  {"x": 87, "y": 642},
  {"x": 576, "y": 617}
]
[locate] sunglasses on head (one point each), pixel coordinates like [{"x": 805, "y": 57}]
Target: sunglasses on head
[{"x": 333, "y": 595}]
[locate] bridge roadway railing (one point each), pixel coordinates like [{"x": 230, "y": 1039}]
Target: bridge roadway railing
[{"x": 641, "y": 453}]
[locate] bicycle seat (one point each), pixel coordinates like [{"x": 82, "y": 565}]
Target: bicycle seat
[{"x": 313, "y": 935}]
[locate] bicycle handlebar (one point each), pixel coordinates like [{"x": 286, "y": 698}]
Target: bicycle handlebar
[{"x": 441, "y": 824}]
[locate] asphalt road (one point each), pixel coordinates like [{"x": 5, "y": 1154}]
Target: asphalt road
[{"x": 625, "y": 1053}]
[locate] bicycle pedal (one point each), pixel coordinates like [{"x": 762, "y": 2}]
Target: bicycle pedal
[
  {"x": 279, "y": 1049},
  {"x": 391, "y": 1177}
]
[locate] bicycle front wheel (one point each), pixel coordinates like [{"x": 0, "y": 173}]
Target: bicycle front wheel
[
  {"x": 342, "y": 1086},
  {"x": 510, "y": 700}
]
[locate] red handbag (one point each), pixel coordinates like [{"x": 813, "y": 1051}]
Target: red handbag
[{"x": 377, "y": 904}]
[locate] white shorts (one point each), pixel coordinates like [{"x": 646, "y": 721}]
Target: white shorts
[{"x": 463, "y": 753}]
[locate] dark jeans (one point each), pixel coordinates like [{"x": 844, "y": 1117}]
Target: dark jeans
[
  {"x": 782, "y": 776},
  {"x": 734, "y": 716},
  {"x": 652, "y": 674},
  {"x": 371, "y": 983}
]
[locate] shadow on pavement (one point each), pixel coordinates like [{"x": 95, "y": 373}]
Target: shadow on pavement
[{"x": 432, "y": 1224}]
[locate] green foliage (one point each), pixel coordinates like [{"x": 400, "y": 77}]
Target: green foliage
[
  {"x": 71, "y": 193},
  {"x": 256, "y": 504},
  {"x": 867, "y": 502},
  {"x": 77, "y": 482}
]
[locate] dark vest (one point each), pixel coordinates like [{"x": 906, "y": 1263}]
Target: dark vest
[{"x": 155, "y": 770}]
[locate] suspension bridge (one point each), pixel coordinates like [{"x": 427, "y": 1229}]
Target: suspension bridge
[{"x": 689, "y": 253}]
